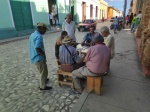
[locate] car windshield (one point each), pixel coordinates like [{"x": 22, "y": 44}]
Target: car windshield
[
  {"x": 87, "y": 21},
  {"x": 112, "y": 18}
]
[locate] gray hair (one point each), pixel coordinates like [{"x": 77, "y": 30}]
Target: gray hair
[
  {"x": 68, "y": 15},
  {"x": 97, "y": 38},
  {"x": 104, "y": 29}
]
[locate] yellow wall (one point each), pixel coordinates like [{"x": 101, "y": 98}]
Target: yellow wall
[{"x": 103, "y": 9}]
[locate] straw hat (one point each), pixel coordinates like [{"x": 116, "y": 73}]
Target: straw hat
[
  {"x": 67, "y": 39},
  {"x": 42, "y": 25}
]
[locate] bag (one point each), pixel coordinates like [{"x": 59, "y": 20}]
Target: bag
[
  {"x": 67, "y": 68},
  {"x": 70, "y": 55}
]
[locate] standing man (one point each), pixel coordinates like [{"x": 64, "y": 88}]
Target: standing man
[
  {"x": 137, "y": 21},
  {"x": 108, "y": 39},
  {"x": 37, "y": 54},
  {"x": 115, "y": 24},
  {"x": 130, "y": 19},
  {"x": 70, "y": 27},
  {"x": 97, "y": 62}
]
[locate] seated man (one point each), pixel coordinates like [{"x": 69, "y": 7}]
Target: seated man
[
  {"x": 59, "y": 43},
  {"x": 88, "y": 37},
  {"x": 68, "y": 57},
  {"x": 97, "y": 62}
]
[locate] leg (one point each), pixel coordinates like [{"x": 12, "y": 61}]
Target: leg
[
  {"x": 51, "y": 22},
  {"x": 79, "y": 73},
  {"x": 76, "y": 74},
  {"x": 42, "y": 68},
  {"x": 115, "y": 27}
]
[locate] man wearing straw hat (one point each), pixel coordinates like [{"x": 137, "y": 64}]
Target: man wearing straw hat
[
  {"x": 37, "y": 54},
  {"x": 68, "y": 56}
]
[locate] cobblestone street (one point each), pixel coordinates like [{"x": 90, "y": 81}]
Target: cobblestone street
[{"x": 19, "y": 80}]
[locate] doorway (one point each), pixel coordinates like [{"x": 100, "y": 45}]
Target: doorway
[
  {"x": 83, "y": 11},
  {"x": 53, "y": 11},
  {"x": 91, "y": 11},
  {"x": 21, "y": 12}
]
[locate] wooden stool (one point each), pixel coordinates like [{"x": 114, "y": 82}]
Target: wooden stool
[
  {"x": 94, "y": 83},
  {"x": 64, "y": 78}
]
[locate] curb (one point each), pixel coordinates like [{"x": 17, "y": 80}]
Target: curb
[{"x": 3, "y": 42}]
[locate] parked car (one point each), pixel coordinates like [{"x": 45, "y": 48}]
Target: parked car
[
  {"x": 112, "y": 19},
  {"x": 86, "y": 24}
]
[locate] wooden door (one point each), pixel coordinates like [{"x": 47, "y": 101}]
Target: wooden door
[
  {"x": 83, "y": 10},
  {"x": 21, "y": 14}
]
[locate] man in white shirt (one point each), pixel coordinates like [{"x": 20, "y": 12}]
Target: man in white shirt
[
  {"x": 70, "y": 27},
  {"x": 108, "y": 39}
]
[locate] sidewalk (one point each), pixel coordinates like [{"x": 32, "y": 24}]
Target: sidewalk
[
  {"x": 125, "y": 89},
  {"x": 5, "y": 41}
]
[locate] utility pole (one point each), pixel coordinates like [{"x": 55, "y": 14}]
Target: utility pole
[{"x": 124, "y": 12}]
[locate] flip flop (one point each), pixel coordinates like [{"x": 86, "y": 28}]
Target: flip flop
[{"x": 76, "y": 92}]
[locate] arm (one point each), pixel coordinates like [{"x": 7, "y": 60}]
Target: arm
[
  {"x": 74, "y": 27},
  {"x": 57, "y": 51},
  {"x": 39, "y": 50},
  {"x": 108, "y": 42},
  {"x": 84, "y": 40},
  {"x": 87, "y": 56},
  {"x": 77, "y": 58},
  {"x": 38, "y": 46}
]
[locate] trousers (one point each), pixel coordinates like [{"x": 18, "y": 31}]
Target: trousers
[{"x": 42, "y": 68}]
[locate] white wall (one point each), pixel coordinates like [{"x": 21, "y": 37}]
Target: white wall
[
  {"x": 88, "y": 2},
  {"x": 115, "y": 13},
  {"x": 39, "y": 11}
]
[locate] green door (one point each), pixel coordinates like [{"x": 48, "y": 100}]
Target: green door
[{"x": 21, "y": 14}]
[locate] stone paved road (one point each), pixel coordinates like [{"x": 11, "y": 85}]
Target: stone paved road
[{"x": 19, "y": 80}]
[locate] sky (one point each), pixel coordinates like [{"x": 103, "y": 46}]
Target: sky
[{"x": 118, "y": 4}]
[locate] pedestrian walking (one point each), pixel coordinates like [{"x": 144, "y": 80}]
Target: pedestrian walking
[
  {"x": 37, "y": 54},
  {"x": 70, "y": 27},
  {"x": 115, "y": 24},
  {"x": 127, "y": 20}
]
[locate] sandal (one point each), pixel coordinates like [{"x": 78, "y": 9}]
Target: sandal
[{"x": 76, "y": 92}]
